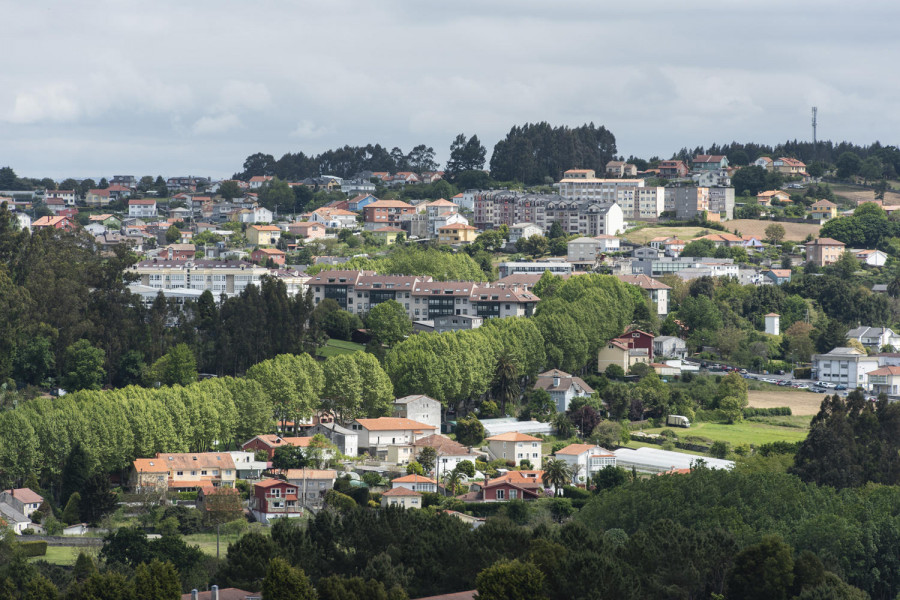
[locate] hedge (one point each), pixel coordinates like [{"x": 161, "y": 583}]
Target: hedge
[
  {"x": 37, "y": 548},
  {"x": 779, "y": 411}
]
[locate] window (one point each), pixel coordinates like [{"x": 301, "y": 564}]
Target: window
[
  {"x": 179, "y": 473},
  {"x": 275, "y": 493},
  {"x": 202, "y": 472},
  {"x": 512, "y": 494},
  {"x": 501, "y": 494}
]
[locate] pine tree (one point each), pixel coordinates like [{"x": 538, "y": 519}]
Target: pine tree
[{"x": 72, "y": 513}]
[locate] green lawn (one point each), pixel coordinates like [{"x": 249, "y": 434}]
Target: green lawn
[
  {"x": 207, "y": 541},
  {"x": 746, "y": 432},
  {"x": 62, "y": 555},
  {"x": 333, "y": 347}
]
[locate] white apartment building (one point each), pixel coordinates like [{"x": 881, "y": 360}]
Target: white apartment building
[
  {"x": 641, "y": 203},
  {"x": 142, "y": 208},
  {"x": 846, "y": 366},
  {"x": 583, "y": 184}
]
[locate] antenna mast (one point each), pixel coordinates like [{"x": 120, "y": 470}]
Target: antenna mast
[{"x": 814, "y": 112}]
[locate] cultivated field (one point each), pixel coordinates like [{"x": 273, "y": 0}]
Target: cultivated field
[
  {"x": 745, "y": 432},
  {"x": 795, "y": 232},
  {"x": 801, "y": 402},
  {"x": 854, "y": 194}
]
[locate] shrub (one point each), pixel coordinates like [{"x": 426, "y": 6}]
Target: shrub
[
  {"x": 341, "y": 502},
  {"x": 719, "y": 449},
  {"x": 187, "y": 495},
  {"x": 371, "y": 478},
  {"x": 236, "y": 527},
  {"x": 778, "y": 411},
  {"x": 575, "y": 493},
  {"x": 37, "y": 548}
]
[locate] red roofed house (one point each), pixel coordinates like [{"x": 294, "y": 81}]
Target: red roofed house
[
  {"x": 184, "y": 471},
  {"x": 375, "y": 435},
  {"x": 262, "y": 255},
  {"x": 223, "y": 594},
  {"x": 709, "y": 162},
  {"x": 637, "y": 339},
  {"x": 516, "y": 447},
  {"x": 789, "y": 166},
  {"x": 97, "y": 197},
  {"x": 263, "y": 235},
  {"x": 885, "y": 380},
  {"x": 514, "y": 485},
  {"x": 402, "y": 497},
  {"x": 257, "y": 181},
  {"x": 275, "y": 499},
  {"x": 673, "y": 169},
  {"x": 268, "y": 443},
  {"x": 765, "y": 198},
  {"x": 824, "y": 251},
  {"x": 23, "y": 500},
  {"x": 142, "y": 208},
  {"x": 58, "y": 222},
  {"x": 417, "y": 483},
  {"x": 585, "y": 460},
  {"x": 307, "y": 230}
]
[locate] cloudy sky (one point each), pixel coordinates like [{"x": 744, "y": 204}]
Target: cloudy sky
[{"x": 192, "y": 87}]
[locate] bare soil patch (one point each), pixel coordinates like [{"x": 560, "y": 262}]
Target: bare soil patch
[
  {"x": 801, "y": 402},
  {"x": 795, "y": 232}
]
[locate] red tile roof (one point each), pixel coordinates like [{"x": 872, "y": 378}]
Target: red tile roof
[{"x": 393, "y": 423}]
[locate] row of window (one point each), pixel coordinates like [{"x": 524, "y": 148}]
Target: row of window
[{"x": 215, "y": 472}]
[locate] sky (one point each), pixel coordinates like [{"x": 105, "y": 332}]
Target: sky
[{"x": 101, "y": 88}]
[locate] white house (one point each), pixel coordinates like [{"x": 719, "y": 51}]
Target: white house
[
  {"x": 885, "y": 380},
  {"x": 874, "y": 337},
  {"x": 142, "y": 208},
  {"x": 516, "y": 447},
  {"x": 419, "y": 408},
  {"x": 402, "y": 497},
  {"x": 846, "y": 366},
  {"x": 523, "y": 230},
  {"x": 417, "y": 483},
  {"x": 562, "y": 387},
  {"x": 872, "y": 258},
  {"x": 375, "y": 435},
  {"x": 24, "y": 500},
  {"x": 585, "y": 460},
  {"x": 669, "y": 345}
]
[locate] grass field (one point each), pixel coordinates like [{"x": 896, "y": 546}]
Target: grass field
[
  {"x": 795, "y": 232},
  {"x": 333, "y": 347},
  {"x": 854, "y": 194},
  {"x": 207, "y": 542},
  {"x": 745, "y": 432},
  {"x": 644, "y": 235},
  {"x": 801, "y": 402},
  {"x": 62, "y": 555}
]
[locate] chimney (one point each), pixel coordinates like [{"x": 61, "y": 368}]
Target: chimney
[
  {"x": 195, "y": 595},
  {"x": 214, "y": 593}
]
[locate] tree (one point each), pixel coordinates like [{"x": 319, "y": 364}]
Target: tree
[
  {"x": 469, "y": 431},
  {"x": 97, "y": 499},
  {"x": 511, "y": 580},
  {"x": 465, "y": 155},
  {"x": 222, "y": 505},
  {"x": 177, "y": 367},
  {"x": 607, "y": 434},
  {"x": 557, "y": 474},
  {"x": 414, "y": 468},
  {"x": 229, "y": 190},
  {"x": 40, "y": 588},
  {"x": 615, "y": 372},
  {"x": 277, "y": 196},
  {"x": 84, "y": 367},
  {"x": 556, "y": 231},
  {"x": 466, "y": 467},
  {"x": 749, "y": 179},
  {"x": 72, "y": 513},
  {"x": 699, "y": 248},
  {"x": 248, "y": 561},
  {"x": 536, "y": 245},
  {"x": 389, "y": 322},
  {"x": 763, "y": 571},
  {"x": 428, "y": 458},
  {"x": 505, "y": 385},
  {"x": 84, "y": 567},
  {"x": 156, "y": 581},
  {"x": 609, "y": 477},
  {"x": 815, "y": 169},
  {"x": 421, "y": 159},
  {"x": 173, "y": 234},
  {"x": 848, "y": 164},
  {"x": 8, "y": 179},
  {"x": 284, "y": 582},
  {"x": 775, "y": 233}
]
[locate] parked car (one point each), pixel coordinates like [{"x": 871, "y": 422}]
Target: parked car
[{"x": 840, "y": 386}]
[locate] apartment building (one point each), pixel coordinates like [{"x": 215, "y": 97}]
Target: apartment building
[
  {"x": 824, "y": 251},
  {"x": 492, "y": 209},
  {"x": 183, "y": 471},
  {"x": 587, "y": 218},
  {"x": 641, "y": 203},
  {"x": 687, "y": 202},
  {"x": 847, "y": 366},
  {"x": 386, "y": 212},
  {"x": 721, "y": 202},
  {"x": 583, "y": 184}
]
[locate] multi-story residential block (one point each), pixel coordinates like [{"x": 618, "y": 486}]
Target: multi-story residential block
[
  {"x": 386, "y": 212},
  {"x": 419, "y": 408},
  {"x": 186, "y": 183},
  {"x": 492, "y": 209},
  {"x": 263, "y": 235},
  {"x": 582, "y": 184},
  {"x": 586, "y": 217},
  {"x": 641, "y": 203},
  {"x": 375, "y": 435},
  {"x": 588, "y": 250},
  {"x": 824, "y": 251},
  {"x": 688, "y": 202},
  {"x": 656, "y": 267},
  {"x": 142, "y": 208},
  {"x": 823, "y": 210},
  {"x": 516, "y": 447},
  {"x": 67, "y": 196},
  {"x": 709, "y": 162},
  {"x": 721, "y": 202},
  {"x": 518, "y": 231},
  {"x": 457, "y": 233},
  {"x": 505, "y": 269},
  {"x": 847, "y": 366},
  {"x": 312, "y": 484},
  {"x": 185, "y": 471}
]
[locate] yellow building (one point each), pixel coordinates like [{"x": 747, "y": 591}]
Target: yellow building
[
  {"x": 387, "y": 235},
  {"x": 457, "y": 233},
  {"x": 823, "y": 210},
  {"x": 263, "y": 235}
]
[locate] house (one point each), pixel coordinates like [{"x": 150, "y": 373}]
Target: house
[
  {"x": 312, "y": 484},
  {"x": 182, "y": 471},
  {"x": 789, "y": 166},
  {"x": 515, "y": 447},
  {"x": 752, "y": 243},
  {"x": 728, "y": 240},
  {"x": 445, "y": 323},
  {"x": 449, "y": 452},
  {"x": 885, "y": 380},
  {"x": 417, "y": 483},
  {"x": 53, "y": 223},
  {"x": 843, "y": 365},
  {"x": 246, "y": 465},
  {"x": 823, "y": 210},
  {"x": 275, "y": 499},
  {"x": 334, "y": 218},
  {"x": 588, "y": 250},
  {"x": 402, "y": 497},
  {"x": 13, "y": 518},
  {"x": 24, "y": 500},
  {"x": 56, "y": 205},
  {"x": 419, "y": 408},
  {"x": 387, "y": 235},
  {"x": 142, "y": 208},
  {"x": 307, "y": 230},
  {"x": 709, "y": 162},
  {"x": 375, "y": 435},
  {"x": 269, "y": 443},
  {"x": 178, "y": 252},
  {"x": 585, "y": 460},
  {"x": 673, "y": 169},
  {"x": 97, "y": 197},
  {"x": 763, "y": 162},
  {"x": 670, "y": 346},
  {"x": 514, "y": 485},
  {"x": 360, "y": 202},
  {"x": 562, "y": 388},
  {"x": 262, "y": 256},
  {"x": 872, "y": 258},
  {"x": 619, "y": 168},
  {"x": 638, "y": 339},
  {"x": 346, "y": 440},
  {"x": 766, "y": 198},
  {"x": 457, "y": 233},
  {"x": 118, "y": 192},
  {"x": 257, "y": 181},
  {"x": 618, "y": 353},
  {"x": 67, "y": 196},
  {"x": 658, "y": 291},
  {"x": 778, "y": 276},
  {"x": 874, "y": 337},
  {"x": 263, "y": 235},
  {"x": 824, "y": 251},
  {"x": 523, "y": 230}
]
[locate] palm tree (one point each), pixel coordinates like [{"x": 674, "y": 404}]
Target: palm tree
[
  {"x": 452, "y": 479},
  {"x": 557, "y": 474},
  {"x": 505, "y": 386}
]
